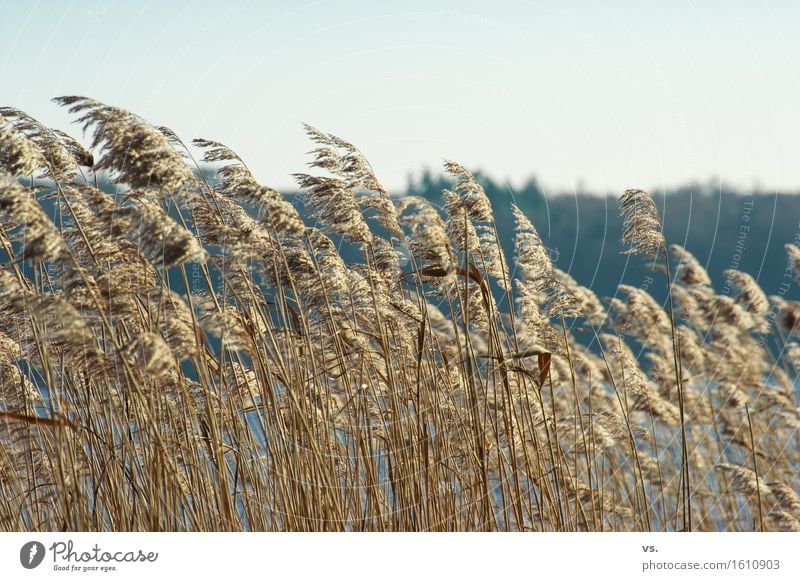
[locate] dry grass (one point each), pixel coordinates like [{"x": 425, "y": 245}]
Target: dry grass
[{"x": 187, "y": 355}]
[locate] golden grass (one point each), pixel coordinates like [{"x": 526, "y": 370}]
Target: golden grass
[{"x": 190, "y": 355}]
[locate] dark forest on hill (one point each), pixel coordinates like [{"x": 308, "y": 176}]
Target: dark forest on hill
[{"x": 724, "y": 228}]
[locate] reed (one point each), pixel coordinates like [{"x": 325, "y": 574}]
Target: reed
[{"x": 191, "y": 354}]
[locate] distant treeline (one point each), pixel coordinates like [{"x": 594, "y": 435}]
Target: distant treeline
[{"x": 724, "y": 229}]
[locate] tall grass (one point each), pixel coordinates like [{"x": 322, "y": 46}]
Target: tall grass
[{"x": 190, "y": 354}]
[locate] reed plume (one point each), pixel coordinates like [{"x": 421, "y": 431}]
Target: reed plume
[{"x": 193, "y": 350}]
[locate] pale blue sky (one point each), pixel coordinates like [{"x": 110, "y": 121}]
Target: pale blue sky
[{"x": 617, "y": 93}]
